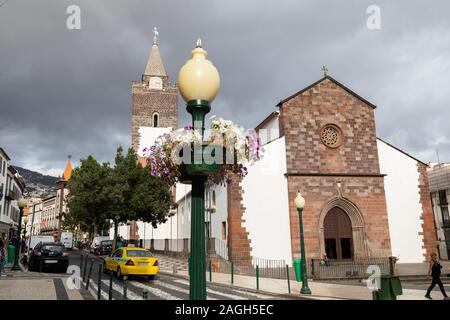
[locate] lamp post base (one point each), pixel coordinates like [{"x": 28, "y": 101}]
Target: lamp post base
[{"x": 305, "y": 290}]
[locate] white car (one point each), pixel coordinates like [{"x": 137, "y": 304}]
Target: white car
[
  {"x": 67, "y": 240},
  {"x": 96, "y": 243}
]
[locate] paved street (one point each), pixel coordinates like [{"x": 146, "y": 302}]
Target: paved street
[
  {"x": 57, "y": 286},
  {"x": 163, "y": 287}
]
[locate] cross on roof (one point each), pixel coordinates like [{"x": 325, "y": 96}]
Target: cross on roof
[{"x": 325, "y": 71}]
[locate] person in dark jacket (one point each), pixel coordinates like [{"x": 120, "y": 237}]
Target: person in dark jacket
[
  {"x": 435, "y": 273},
  {"x": 2, "y": 256}
]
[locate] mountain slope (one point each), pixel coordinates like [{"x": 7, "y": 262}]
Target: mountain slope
[{"x": 37, "y": 184}]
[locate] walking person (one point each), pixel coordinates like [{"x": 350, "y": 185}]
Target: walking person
[
  {"x": 2, "y": 256},
  {"x": 435, "y": 272}
]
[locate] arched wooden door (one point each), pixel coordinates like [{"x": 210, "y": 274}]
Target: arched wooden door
[{"x": 338, "y": 235}]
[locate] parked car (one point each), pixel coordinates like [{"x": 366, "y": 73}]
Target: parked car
[
  {"x": 105, "y": 248},
  {"x": 96, "y": 243},
  {"x": 131, "y": 261},
  {"x": 67, "y": 239},
  {"x": 49, "y": 255},
  {"x": 33, "y": 241}
]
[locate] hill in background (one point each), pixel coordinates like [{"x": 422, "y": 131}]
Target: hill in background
[{"x": 37, "y": 184}]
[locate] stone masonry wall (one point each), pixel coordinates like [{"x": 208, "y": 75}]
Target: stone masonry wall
[
  {"x": 428, "y": 227},
  {"x": 239, "y": 250},
  {"x": 314, "y": 167}
]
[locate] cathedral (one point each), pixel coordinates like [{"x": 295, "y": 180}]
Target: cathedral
[{"x": 364, "y": 197}]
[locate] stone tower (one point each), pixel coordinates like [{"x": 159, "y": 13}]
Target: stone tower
[
  {"x": 154, "y": 99},
  {"x": 154, "y": 109}
]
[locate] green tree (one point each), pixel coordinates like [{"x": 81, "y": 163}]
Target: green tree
[
  {"x": 88, "y": 199},
  {"x": 135, "y": 194}
]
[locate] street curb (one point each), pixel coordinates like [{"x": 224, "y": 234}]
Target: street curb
[{"x": 281, "y": 295}]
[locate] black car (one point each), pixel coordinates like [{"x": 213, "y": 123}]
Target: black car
[
  {"x": 49, "y": 255},
  {"x": 104, "y": 248}
]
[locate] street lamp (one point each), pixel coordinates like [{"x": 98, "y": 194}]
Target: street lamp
[
  {"x": 199, "y": 83},
  {"x": 22, "y": 203},
  {"x": 300, "y": 203}
]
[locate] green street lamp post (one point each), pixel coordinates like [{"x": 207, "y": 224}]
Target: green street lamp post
[
  {"x": 199, "y": 83},
  {"x": 22, "y": 203},
  {"x": 300, "y": 203}
]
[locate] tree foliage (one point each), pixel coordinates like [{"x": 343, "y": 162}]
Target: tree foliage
[
  {"x": 125, "y": 192},
  {"x": 87, "y": 198}
]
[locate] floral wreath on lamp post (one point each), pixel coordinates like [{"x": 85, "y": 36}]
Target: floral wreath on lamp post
[
  {"x": 186, "y": 156},
  {"x": 240, "y": 149}
]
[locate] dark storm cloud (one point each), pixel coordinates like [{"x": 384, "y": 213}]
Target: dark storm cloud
[{"x": 68, "y": 91}]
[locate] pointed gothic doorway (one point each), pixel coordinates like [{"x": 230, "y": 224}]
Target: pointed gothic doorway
[{"x": 338, "y": 235}]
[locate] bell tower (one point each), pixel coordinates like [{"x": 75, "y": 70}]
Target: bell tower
[
  {"x": 154, "y": 109},
  {"x": 154, "y": 101}
]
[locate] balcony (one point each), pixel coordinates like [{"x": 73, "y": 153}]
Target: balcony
[{"x": 11, "y": 195}]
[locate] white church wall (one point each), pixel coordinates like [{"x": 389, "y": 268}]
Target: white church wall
[
  {"x": 270, "y": 131},
  {"x": 265, "y": 198},
  {"x": 123, "y": 230},
  {"x": 147, "y": 138},
  {"x": 221, "y": 215},
  {"x": 403, "y": 203}
]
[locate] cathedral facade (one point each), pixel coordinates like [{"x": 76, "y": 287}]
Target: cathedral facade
[{"x": 364, "y": 197}]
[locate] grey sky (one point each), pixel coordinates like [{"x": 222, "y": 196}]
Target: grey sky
[{"x": 68, "y": 91}]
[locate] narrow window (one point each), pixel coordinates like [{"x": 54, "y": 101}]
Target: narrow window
[
  {"x": 155, "y": 120},
  {"x": 224, "y": 230},
  {"x": 443, "y": 197}
]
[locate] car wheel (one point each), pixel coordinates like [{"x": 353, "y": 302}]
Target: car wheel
[
  {"x": 152, "y": 277},
  {"x": 119, "y": 273}
]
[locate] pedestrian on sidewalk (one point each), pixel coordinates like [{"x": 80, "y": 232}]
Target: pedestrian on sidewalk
[
  {"x": 435, "y": 272},
  {"x": 2, "y": 256}
]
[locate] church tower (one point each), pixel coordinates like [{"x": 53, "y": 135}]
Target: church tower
[
  {"x": 154, "y": 109},
  {"x": 154, "y": 101}
]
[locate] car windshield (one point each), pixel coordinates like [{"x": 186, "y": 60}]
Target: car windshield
[
  {"x": 53, "y": 248},
  {"x": 139, "y": 253}
]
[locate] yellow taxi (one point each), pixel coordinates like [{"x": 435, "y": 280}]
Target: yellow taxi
[{"x": 131, "y": 261}]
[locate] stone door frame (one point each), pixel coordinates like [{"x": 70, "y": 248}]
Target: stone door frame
[{"x": 357, "y": 221}]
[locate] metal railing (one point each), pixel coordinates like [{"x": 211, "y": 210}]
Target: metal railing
[
  {"x": 351, "y": 269},
  {"x": 217, "y": 254}
]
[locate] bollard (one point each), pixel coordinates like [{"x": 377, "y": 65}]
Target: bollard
[
  {"x": 288, "y": 280},
  {"x": 110, "y": 285},
  {"x": 125, "y": 289},
  {"x": 99, "y": 282},
  {"x": 257, "y": 277},
  {"x": 81, "y": 263},
  {"x": 85, "y": 268},
  {"x": 89, "y": 274},
  {"x": 189, "y": 266},
  {"x": 145, "y": 294},
  {"x": 40, "y": 266},
  {"x": 210, "y": 271},
  {"x": 232, "y": 272},
  {"x": 174, "y": 266}
]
